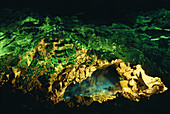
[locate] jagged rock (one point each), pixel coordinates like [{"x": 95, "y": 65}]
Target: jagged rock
[
  {"x": 59, "y": 56},
  {"x": 133, "y": 82}
]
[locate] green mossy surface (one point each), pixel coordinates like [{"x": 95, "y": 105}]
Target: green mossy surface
[
  {"x": 145, "y": 42},
  {"x": 142, "y": 39}
]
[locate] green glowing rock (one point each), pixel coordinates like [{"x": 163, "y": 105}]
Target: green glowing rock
[{"x": 49, "y": 54}]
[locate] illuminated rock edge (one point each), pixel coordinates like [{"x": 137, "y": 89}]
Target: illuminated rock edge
[{"x": 133, "y": 84}]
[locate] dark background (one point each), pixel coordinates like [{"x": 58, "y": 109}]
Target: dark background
[{"x": 89, "y": 9}]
